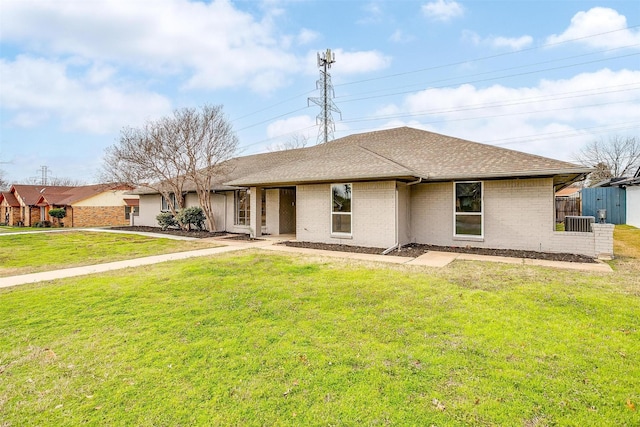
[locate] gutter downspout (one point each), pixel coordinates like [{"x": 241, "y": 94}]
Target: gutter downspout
[{"x": 396, "y": 245}]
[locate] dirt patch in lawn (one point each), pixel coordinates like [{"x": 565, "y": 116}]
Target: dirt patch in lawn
[{"x": 414, "y": 250}]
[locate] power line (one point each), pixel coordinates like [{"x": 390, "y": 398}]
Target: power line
[
  {"x": 521, "y": 101},
  {"x": 439, "y": 67},
  {"x": 491, "y": 78},
  {"x": 482, "y": 58},
  {"x": 422, "y": 84}
]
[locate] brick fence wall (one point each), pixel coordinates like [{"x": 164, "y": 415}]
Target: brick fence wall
[{"x": 96, "y": 216}]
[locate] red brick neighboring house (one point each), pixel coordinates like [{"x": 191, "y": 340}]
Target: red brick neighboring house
[{"x": 86, "y": 206}]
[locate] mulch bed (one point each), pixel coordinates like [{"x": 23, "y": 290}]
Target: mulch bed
[
  {"x": 414, "y": 250},
  {"x": 175, "y": 232}
]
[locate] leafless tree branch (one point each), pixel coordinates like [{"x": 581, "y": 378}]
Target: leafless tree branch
[{"x": 167, "y": 155}]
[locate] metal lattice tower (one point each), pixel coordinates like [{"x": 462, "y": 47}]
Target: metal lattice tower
[{"x": 325, "y": 100}]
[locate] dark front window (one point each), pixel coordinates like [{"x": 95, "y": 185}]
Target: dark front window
[
  {"x": 341, "y": 208},
  {"x": 468, "y": 209}
]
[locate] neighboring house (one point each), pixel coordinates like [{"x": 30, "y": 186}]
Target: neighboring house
[
  {"x": 86, "y": 206},
  {"x": 632, "y": 187},
  {"x": 398, "y": 186}
]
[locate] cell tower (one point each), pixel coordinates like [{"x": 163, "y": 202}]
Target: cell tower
[
  {"x": 44, "y": 170},
  {"x": 325, "y": 101}
]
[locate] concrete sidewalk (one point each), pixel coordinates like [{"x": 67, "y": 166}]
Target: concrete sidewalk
[{"x": 430, "y": 259}]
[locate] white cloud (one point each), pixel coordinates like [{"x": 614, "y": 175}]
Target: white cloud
[
  {"x": 214, "y": 43},
  {"x": 41, "y": 89},
  {"x": 557, "y": 115},
  {"x": 373, "y": 13},
  {"x": 498, "y": 42},
  {"x": 442, "y": 10},
  {"x": 307, "y": 36},
  {"x": 303, "y": 125},
  {"x": 584, "y": 26},
  {"x": 400, "y": 36},
  {"x": 351, "y": 62},
  {"x": 511, "y": 43}
]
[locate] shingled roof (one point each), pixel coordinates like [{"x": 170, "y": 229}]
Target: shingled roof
[
  {"x": 9, "y": 198},
  {"x": 58, "y": 195},
  {"x": 402, "y": 153}
]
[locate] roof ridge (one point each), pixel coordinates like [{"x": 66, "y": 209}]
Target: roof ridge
[{"x": 388, "y": 160}]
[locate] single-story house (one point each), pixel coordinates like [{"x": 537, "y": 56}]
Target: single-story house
[
  {"x": 86, "y": 206},
  {"x": 632, "y": 186},
  {"x": 398, "y": 186}
]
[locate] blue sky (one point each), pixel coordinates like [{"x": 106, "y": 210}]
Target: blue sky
[{"x": 543, "y": 77}]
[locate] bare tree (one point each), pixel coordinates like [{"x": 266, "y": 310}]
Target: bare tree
[
  {"x": 56, "y": 181},
  {"x": 601, "y": 173},
  {"x": 4, "y": 184},
  {"x": 208, "y": 140},
  {"x": 297, "y": 140},
  {"x": 621, "y": 156},
  {"x": 146, "y": 157},
  {"x": 166, "y": 155}
]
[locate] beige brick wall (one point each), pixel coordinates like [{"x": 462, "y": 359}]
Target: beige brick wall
[
  {"x": 518, "y": 214},
  {"x": 432, "y": 213},
  {"x": 373, "y": 214}
]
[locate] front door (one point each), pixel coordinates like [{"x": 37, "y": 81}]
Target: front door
[{"x": 287, "y": 210}]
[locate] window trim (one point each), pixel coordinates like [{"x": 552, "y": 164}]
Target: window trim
[
  {"x": 340, "y": 234},
  {"x": 481, "y": 213},
  {"x": 164, "y": 204}
]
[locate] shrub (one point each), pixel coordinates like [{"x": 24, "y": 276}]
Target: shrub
[
  {"x": 42, "y": 224},
  {"x": 166, "y": 220},
  {"x": 191, "y": 216},
  {"x": 58, "y": 213}
]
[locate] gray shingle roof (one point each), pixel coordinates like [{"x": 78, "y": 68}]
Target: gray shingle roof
[{"x": 400, "y": 153}]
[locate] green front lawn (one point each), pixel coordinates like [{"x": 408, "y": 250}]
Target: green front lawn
[
  {"x": 258, "y": 339},
  {"x": 33, "y": 252}
]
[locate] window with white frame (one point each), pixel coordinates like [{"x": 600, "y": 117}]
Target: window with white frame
[
  {"x": 468, "y": 220},
  {"x": 243, "y": 207},
  {"x": 165, "y": 207},
  {"x": 341, "y": 208}
]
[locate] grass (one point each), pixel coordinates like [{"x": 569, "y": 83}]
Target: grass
[
  {"x": 29, "y": 253},
  {"x": 261, "y": 339},
  {"x": 9, "y": 229},
  {"x": 626, "y": 241}
]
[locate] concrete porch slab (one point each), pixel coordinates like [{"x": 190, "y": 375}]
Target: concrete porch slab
[{"x": 434, "y": 259}]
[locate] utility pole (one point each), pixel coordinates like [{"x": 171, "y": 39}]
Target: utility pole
[{"x": 325, "y": 101}]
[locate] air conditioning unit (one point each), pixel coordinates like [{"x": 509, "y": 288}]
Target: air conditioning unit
[{"x": 579, "y": 223}]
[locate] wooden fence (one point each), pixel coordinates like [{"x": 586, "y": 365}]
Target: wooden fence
[{"x": 567, "y": 207}]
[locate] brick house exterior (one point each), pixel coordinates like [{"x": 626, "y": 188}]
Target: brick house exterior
[
  {"x": 388, "y": 188},
  {"x": 86, "y": 206}
]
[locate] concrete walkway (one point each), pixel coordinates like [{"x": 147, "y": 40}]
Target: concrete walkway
[{"x": 430, "y": 259}]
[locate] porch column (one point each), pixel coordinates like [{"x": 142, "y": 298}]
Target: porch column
[{"x": 255, "y": 223}]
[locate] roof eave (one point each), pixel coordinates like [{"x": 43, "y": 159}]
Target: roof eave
[{"x": 322, "y": 180}]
